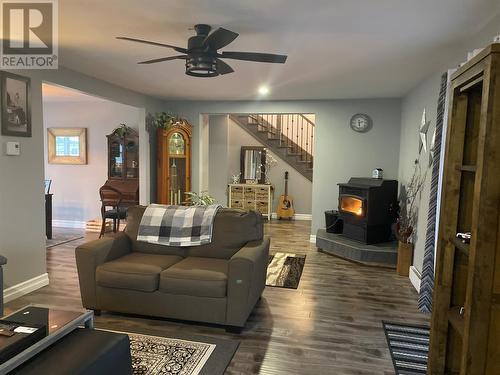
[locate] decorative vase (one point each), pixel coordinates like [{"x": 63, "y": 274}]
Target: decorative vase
[
  {"x": 405, "y": 255},
  {"x": 267, "y": 179}
]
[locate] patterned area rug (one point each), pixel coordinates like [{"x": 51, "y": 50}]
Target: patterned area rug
[
  {"x": 166, "y": 356},
  {"x": 284, "y": 270},
  {"x": 409, "y": 347}
]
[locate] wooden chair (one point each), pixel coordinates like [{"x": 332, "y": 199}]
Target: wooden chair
[{"x": 111, "y": 197}]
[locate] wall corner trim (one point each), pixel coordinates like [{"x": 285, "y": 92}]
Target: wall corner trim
[
  {"x": 25, "y": 287},
  {"x": 415, "y": 278},
  {"x": 312, "y": 238}
]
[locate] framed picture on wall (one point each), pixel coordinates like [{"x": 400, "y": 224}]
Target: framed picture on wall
[
  {"x": 67, "y": 145},
  {"x": 16, "y": 110}
]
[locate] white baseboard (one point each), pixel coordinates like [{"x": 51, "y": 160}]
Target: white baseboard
[
  {"x": 25, "y": 287},
  {"x": 296, "y": 216},
  {"x": 415, "y": 278},
  {"x": 68, "y": 224},
  {"x": 302, "y": 217},
  {"x": 312, "y": 238}
]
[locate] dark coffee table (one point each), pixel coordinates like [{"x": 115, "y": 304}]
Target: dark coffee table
[{"x": 59, "y": 322}]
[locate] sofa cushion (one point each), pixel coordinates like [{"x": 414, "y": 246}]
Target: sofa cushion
[
  {"x": 134, "y": 216},
  {"x": 232, "y": 230},
  {"x": 135, "y": 271},
  {"x": 195, "y": 276}
]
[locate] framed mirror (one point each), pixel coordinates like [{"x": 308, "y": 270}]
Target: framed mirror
[
  {"x": 67, "y": 145},
  {"x": 253, "y": 164}
]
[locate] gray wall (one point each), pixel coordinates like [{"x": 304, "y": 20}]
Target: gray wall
[
  {"x": 22, "y": 213},
  {"x": 218, "y": 156},
  {"x": 340, "y": 153},
  {"x": 76, "y": 187},
  {"x": 426, "y": 95}
]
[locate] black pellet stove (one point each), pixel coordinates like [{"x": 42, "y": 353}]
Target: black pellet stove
[{"x": 368, "y": 208}]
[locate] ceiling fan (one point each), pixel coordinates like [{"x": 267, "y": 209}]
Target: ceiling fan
[{"x": 202, "y": 56}]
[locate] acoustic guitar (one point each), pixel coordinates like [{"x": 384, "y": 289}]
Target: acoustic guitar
[{"x": 285, "y": 203}]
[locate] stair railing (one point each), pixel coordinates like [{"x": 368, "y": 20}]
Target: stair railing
[{"x": 293, "y": 130}]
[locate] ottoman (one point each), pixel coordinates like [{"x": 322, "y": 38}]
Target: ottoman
[{"x": 82, "y": 352}]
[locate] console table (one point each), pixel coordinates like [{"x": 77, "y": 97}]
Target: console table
[
  {"x": 257, "y": 197},
  {"x": 48, "y": 216}
]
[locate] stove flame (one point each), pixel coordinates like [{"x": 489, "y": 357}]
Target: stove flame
[{"x": 352, "y": 205}]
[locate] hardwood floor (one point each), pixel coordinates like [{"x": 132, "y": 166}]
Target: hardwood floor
[{"x": 332, "y": 324}]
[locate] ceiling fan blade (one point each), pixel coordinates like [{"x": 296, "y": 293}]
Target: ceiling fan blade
[
  {"x": 178, "y": 57},
  {"x": 178, "y": 49},
  {"x": 223, "y": 68},
  {"x": 219, "y": 38},
  {"x": 254, "y": 56}
]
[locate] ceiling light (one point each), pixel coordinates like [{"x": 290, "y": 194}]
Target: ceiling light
[{"x": 263, "y": 90}]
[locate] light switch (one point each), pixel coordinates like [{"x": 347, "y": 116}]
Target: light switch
[{"x": 13, "y": 148}]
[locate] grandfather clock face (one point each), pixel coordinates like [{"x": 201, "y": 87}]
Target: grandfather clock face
[{"x": 176, "y": 144}]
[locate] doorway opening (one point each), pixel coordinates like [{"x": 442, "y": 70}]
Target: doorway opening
[
  {"x": 278, "y": 148},
  {"x": 81, "y": 155}
]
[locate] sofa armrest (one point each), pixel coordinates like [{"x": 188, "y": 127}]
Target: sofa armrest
[
  {"x": 92, "y": 254},
  {"x": 246, "y": 280}
]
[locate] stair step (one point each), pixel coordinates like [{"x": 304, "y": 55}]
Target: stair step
[{"x": 266, "y": 131}]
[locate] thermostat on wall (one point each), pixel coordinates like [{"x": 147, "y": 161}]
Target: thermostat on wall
[{"x": 13, "y": 148}]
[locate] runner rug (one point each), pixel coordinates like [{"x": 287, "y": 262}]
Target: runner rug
[{"x": 409, "y": 347}]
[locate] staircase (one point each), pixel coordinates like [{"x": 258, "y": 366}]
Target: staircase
[{"x": 288, "y": 135}]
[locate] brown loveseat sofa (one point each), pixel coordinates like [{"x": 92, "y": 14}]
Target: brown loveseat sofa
[{"x": 216, "y": 283}]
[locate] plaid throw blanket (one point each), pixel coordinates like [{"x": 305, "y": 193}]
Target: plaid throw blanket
[{"x": 177, "y": 225}]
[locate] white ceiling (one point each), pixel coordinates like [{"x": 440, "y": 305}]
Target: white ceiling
[
  {"x": 335, "y": 48},
  {"x": 55, "y": 93}
]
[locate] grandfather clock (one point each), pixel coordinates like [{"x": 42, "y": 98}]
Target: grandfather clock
[{"x": 174, "y": 163}]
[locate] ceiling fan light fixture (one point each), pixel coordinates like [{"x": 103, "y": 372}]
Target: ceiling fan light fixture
[
  {"x": 201, "y": 66},
  {"x": 202, "y": 55}
]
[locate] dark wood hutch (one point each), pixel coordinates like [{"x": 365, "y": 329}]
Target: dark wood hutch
[{"x": 123, "y": 164}]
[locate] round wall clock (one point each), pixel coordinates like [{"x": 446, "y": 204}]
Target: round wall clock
[{"x": 361, "y": 123}]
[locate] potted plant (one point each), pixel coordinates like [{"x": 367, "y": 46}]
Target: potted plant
[
  {"x": 408, "y": 217},
  {"x": 160, "y": 120},
  {"x": 122, "y": 130},
  {"x": 202, "y": 199}
]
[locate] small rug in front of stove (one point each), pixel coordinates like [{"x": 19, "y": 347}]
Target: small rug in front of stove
[{"x": 284, "y": 270}]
